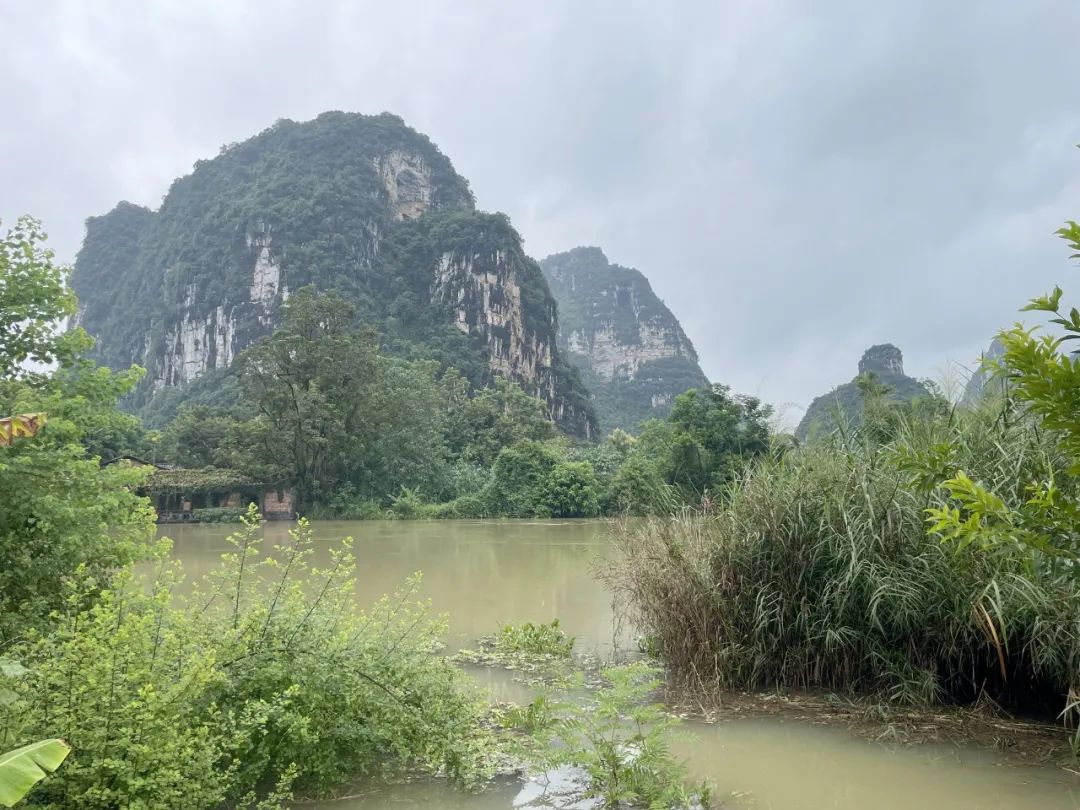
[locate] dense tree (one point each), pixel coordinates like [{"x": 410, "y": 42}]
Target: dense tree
[
  {"x": 519, "y": 481},
  {"x": 710, "y": 434},
  {"x": 199, "y": 436},
  {"x": 60, "y": 508},
  {"x": 333, "y": 415},
  {"x": 638, "y": 489},
  {"x": 310, "y": 384},
  {"x": 495, "y": 418},
  {"x": 572, "y": 490},
  {"x": 34, "y": 301}
]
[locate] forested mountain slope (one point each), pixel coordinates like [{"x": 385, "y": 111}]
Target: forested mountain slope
[
  {"x": 631, "y": 350},
  {"x": 881, "y": 366},
  {"x": 361, "y": 204}
]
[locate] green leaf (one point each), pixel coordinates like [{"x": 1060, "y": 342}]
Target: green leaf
[
  {"x": 24, "y": 767},
  {"x": 12, "y": 669},
  {"x": 1045, "y": 303}
]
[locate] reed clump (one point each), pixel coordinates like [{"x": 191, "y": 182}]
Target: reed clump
[{"x": 818, "y": 570}]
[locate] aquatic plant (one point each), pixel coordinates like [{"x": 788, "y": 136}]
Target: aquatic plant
[
  {"x": 818, "y": 570},
  {"x": 614, "y": 748},
  {"x": 535, "y": 639}
]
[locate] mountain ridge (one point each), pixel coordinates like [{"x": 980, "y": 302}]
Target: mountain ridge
[
  {"x": 359, "y": 203},
  {"x": 630, "y": 348}
]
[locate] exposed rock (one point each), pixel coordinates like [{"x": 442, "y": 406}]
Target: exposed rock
[
  {"x": 631, "y": 350},
  {"x": 407, "y": 182},
  {"x": 266, "y": 276},
  {"x": 981, "y": 382},
  {"x": 362, "y": 204},
  {"x": 884, "y": 360},
  {"x": 885, "y": 363}
]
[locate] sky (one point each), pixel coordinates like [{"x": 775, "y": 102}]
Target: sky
[{"x": 798, "y": 180}]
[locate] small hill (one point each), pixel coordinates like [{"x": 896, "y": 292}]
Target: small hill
[{"x": 886, "y": 363}]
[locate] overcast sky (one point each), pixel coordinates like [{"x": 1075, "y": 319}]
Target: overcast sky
[{"x": 799, "y": 180}]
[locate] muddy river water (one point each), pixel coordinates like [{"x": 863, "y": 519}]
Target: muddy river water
[{"x": 485, "y": 574}]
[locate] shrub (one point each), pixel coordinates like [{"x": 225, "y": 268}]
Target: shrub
[
  {"x": 572, "y": 490},
  {"x": 408, "y": 506},
  {"x": 617, "y": 747},
  {"x": 467, "y": 506},
  {"x": 267, "y": 677},
  {"x": 638, "y": 489},
  {"x": 519, "y": 481},
  {"x": 223, "y": 514},
  {"x": 820, "y": 572}
]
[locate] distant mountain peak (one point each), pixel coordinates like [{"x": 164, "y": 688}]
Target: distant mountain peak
[
  {"x": 631, "y": 350},
  {"x": 976, "y": 387},
  {"x": 884, "y": 361}
]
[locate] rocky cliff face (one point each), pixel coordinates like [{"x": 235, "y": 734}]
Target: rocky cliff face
[
  {"x": 885, "y": 363},
  {"x": 363, "y": 204},
  {"x": 982, "y": 381},
  {"x": 631, "y": 350}
]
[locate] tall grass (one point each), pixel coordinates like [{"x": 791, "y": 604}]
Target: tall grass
[{"x": 818, "y": 572}]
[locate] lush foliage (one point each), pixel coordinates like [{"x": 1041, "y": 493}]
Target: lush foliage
[
  {"x": 819, "y": 571},
  {"x": 535, "y": 639},
  {"x": 266, "y": 679},
  {"x": 34, "y": 300},
  {"x": 358, "y": 434},
  {"x": 24, "y": 767},
  {"x": 1043, "y": 380},
  {"x": 60, "y": 509},
  {"x": 615, "y": 750}
]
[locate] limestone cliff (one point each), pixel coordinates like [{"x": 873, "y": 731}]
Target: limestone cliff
[
  {"x": 362, "y": 204},
  {"x": 982, "y": 381},
  {"x": 631, "y": 350},
  {"x": 885, "y": 363}
]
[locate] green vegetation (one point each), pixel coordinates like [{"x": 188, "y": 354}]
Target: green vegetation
[
  {"x": 616, "y": 748},
  {"x": 265, "y": 680},
  {"x": 268, "y": 678},
  {"x": 24, "y": 767},
  {"x": 61, "y": 511},
  {"x": 535, "y": 639},
  {"x": 542, "y": 650},
  {"x": 824, "y": 566},
  {"x": 362, "y": 205},
  {"x": 357, "y": 434},
  {"x": 818, "y": 571}
]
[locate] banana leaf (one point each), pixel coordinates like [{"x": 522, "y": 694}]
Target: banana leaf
[{"x": 24, "y": 767}]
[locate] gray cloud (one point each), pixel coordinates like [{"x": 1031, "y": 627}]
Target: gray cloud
[{"x": 798, "y": 180}]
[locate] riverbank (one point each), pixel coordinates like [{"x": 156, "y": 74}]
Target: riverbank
[
  {"x": 1016, "y": 741},
  {"x": 795, "y": 752}
]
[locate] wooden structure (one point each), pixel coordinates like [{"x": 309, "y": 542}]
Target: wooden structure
[{"x": 179, "y": 494}]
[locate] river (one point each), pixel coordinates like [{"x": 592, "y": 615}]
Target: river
[{"x": 485, "y": 574}]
